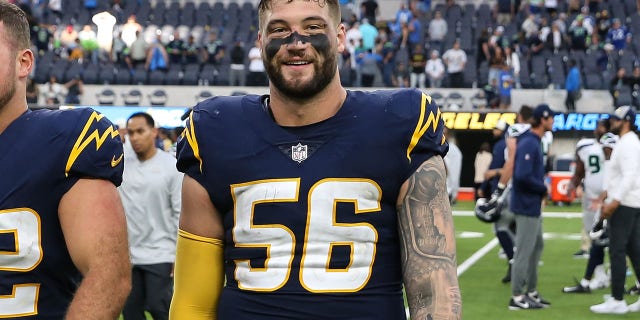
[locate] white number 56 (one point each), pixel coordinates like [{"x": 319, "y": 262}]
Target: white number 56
[{"x": 322, "y": 234}]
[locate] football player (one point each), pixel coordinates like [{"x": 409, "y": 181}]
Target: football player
[
  {"x": 313, "y": 201},
  {"x": 63, "y": 240}
]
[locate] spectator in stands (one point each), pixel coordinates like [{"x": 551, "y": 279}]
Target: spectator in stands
[
  {"x": 75, "y": 89},
  {"x": 551, "y": 7},
  {"x": 530, "y": 28},
  {"x": 504, "y": 10},
  {"x": 33, "y": 92},
  {"x": 157, "y": 57},
  {"x": 192, "y": 51},
  {"x": 68, "y": 38},
  {"x": 437, "y": 31},
  {"x": 618, "y": 36},
  {"x": 370, "y": 67},
  {"x": 89, "y": 42},
  {"x": 257, "y": 76},
  {"x": 117, "y": 50},
  {"x": 512, "y": 60},
  {"x": 418, "y": 61},
  {"x": 131, "y": 30},
  {"x": 496, "y": 62},
  {"x": 482, "y": 49},
  {"x": 415, "y": 35},
  {"x": 435, "y": 70},
  {"x": 369, "y": 10},
  {"x": 603, "y": 24},
  {"x": 554, "y": 41},
  {"x": 369, "y": 34},
  {"x": 617, "y": 83},
  {"x": 174, "y": 48},
  {"x": 353, "y": 36},
  {"x": 105, "y": 22},
  {"x": 76, "y": 53},
  {"x": 138, "y": 50},
  {"x": 236, "y": 71},
  {"x": 42, "y": 37},
  {"x": 455, "y": 59},
  {"x": 578, "y": 35},
  {"x": 53, "y": 91},
  {"x": 572, "y": 85},
  {"x": 505, "y": 83},
  {"x": 214, "y": 49},
  {"x": 401, "y": 75},
  {"x": 55, "y": 9},
  {"x": 388, "y": 62}
]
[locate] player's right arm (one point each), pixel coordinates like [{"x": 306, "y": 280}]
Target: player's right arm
[
  {"x": 428, "y": 244},
  {"x": 507, "y": 169},
  {"x": 578, "y": 175},
  {"x": 199, "y": 268},
  {"x": 95, "y": 230}
]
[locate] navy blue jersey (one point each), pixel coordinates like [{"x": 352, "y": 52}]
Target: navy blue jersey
[
  {"x": 309, "y": 212},
  {"x": 42, "y": 154}
]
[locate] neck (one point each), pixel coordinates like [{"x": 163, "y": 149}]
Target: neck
[
  {"x": 293, "y": 112},
  {"x": 539, "y": 130},
  {"x": 624, "y": 130},
  {"x": 147, "y": 155},
  {"x": 10, "y": 112}
]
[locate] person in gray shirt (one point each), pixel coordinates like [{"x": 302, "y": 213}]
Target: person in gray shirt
[{"x": 151, "y": 195}]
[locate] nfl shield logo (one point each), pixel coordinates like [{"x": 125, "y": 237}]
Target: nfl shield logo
[{"x": 299, "y": 152}]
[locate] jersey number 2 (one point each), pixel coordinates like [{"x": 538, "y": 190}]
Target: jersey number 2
[
  {"x": 322, "y": 234},
  {"x": 23, "y": 225}
]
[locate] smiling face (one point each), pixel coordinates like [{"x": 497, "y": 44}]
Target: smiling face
[{"x": 301, "y": 41}]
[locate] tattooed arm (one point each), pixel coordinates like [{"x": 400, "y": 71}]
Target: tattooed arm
[{"x": 428, "y": 244}]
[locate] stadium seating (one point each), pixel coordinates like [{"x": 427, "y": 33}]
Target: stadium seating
[
  {"x": 106, "y": 97},
  {"x": 237, "y": 20}
]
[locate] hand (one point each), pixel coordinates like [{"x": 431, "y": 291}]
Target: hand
[{"x": 608, "y": 209}]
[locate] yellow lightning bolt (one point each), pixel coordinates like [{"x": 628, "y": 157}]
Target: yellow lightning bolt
[{"x": 84, "y": 140}]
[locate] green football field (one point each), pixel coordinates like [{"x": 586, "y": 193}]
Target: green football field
[
  {"x": 484, "y": 296},
  {"x": 480, "y": 270}
]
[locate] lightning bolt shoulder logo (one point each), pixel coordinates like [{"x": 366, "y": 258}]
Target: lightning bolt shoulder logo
[
  {"x": 431, "y": 121},
  {"x": 85, "y": 138}
]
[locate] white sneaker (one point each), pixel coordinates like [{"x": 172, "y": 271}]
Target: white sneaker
[
  {"x": 634, "y": 307},
  {"x": 611, "y": 306}
]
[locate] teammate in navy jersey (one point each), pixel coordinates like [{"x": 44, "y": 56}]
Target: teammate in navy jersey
[
  {"x": 63, "y": 242},
  {"x": 314, "y": 202}
]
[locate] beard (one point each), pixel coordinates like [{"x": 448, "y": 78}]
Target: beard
[
  {"x": 616, "y": 129},
  {"x": 300, "y": 89},
  {"x": 7, "y": 91}
]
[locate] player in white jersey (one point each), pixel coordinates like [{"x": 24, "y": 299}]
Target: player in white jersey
[
  {"x": 589, "y": 173},
  {"x": 591, "y": 158}
]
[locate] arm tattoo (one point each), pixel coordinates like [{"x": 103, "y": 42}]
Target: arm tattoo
[{"x": 428, "y": 245}]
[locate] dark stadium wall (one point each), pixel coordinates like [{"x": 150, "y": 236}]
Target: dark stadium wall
[{"x": 469, "y": 142}]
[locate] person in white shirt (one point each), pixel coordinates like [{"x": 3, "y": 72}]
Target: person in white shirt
[
  {"x": 437, "y": 30},
  {"x": 455, "y": 59},
  {"x": 435, "y": 70},
  {"x": 257, "y": 75},
  {"x": 151, "y": 195},
  {"x": 453, "y": 164},
  {"x": 623, "y": 210}
]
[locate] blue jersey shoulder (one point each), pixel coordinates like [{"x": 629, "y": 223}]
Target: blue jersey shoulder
[{"x": 92, "y": 146}]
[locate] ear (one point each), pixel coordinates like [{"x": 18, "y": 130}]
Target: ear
[
  {"x": 342, "y": 37},
  {"x": 25, "y": 61}
]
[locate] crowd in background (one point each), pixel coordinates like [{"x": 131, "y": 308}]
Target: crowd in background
[{"x": 423, "y": 45}]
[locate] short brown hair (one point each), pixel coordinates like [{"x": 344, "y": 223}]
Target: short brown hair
[
  {"x": 16, "y": 24},
  {"x": 334, "y": 8}
]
